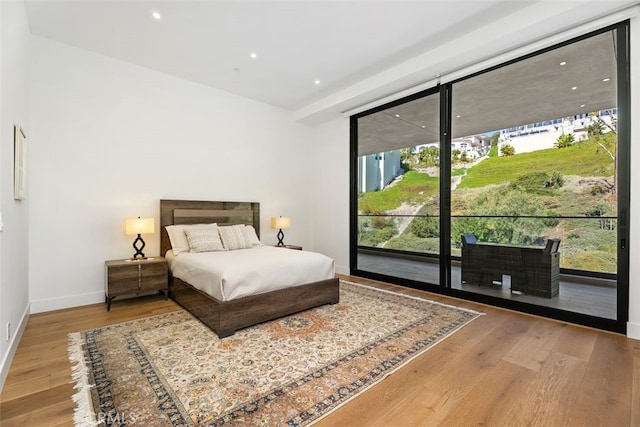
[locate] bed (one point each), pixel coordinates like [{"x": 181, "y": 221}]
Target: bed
[{"x": 223, "y": 315}]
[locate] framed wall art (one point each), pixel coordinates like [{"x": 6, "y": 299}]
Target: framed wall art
[{"x": 19, "y": 163}]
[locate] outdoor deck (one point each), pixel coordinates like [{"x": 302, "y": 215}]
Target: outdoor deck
[{"x": 577, "y": 294}]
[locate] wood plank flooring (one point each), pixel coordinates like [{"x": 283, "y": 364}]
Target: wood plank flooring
[{"x": 503, "y": 369}]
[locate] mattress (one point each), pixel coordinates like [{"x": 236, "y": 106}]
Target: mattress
[{"x": 227, "y": 275}]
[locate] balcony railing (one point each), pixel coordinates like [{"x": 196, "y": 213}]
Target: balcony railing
[{"x": 588, "y": 244}]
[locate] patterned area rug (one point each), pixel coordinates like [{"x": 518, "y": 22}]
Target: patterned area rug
[{"x": 171, "y": 370}]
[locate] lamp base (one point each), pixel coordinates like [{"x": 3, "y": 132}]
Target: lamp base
[
  {"x": 138, "y": 254},
  {"x": 280, "y": 237}
]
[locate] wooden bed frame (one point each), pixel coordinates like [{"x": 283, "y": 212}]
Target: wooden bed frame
[{"x": 226, "y": 317}]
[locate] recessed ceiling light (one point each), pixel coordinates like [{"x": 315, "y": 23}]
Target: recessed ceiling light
[
  {"x": 458, "y": 116},
  {"x": 606, "y": 79},
  {"x": 423, "y": 126},
  {"x": 317, "y": 82},
  {"x": 253, "y": 55},
  {"x": 574, "y": 88},
  {"x": 156, "y": 15},
  {"x": 563, "y": 63},
  {"x": 582, "y": 105},
  {"x": 397, "y": 115}
]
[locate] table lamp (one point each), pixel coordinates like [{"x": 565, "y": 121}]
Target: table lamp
[
  {"x": 280, "y": 223},
  {"x": 139, "y": 226}
]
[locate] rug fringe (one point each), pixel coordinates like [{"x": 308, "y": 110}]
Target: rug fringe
[{"x": 83, "y": 413}]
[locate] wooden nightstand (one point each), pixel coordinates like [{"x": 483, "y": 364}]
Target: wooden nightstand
[{"x": 135, "y": 277}]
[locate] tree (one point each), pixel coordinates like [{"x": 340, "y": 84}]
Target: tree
[
  {"x": 507, "y": 150},
  {"x": 565, "y": 140},
  {"x": 614, "y": 123},
  {"x": 455, "y": 155},
  {"x": 407, "y": 158},
  {"x": 595, "y": 129},
  {"x": 429, "y": 156},
  {"x": 495, "y": 138},
  {"x": 614, "y": 128}
]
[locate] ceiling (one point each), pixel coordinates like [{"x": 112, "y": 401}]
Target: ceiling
[
  {"x": 357, "y": 51},
  {"x": 574, "y": 79}
]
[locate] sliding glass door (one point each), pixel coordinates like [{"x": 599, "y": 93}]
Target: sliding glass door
[
  {"x": 397, "y": 169},
  {"x": 510, "y": 186}
]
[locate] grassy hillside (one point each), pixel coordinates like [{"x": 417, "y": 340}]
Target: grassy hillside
[
  {"x": 584, "y": 158},
  {"x": 510, "y": 187},
  {"x": 413, "y": 188}
]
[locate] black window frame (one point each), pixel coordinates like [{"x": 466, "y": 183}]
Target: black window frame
[{"x": 622, "y": 31}]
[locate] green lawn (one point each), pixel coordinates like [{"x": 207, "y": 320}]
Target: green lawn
[
  {"x": 582, "y": 158},
  {"x": 414, "y": 188}
]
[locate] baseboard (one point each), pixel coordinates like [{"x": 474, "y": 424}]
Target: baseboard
[
  {"x": 50, "y": 304},
  {"x": 342, "y": 270},
  {"x": 13, "y": 346},
  {"x": 633, "y": 330}
]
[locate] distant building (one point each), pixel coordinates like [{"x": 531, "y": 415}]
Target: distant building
[
  {"x": 474, "y": 146},
  {"x": 377, "y": 170},
  {"x": 543, "y": 135}
]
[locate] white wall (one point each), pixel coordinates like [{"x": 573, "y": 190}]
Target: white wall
[
  {"x": 331, "y": 190},
  {"x": 14, "y": 297},
  {"x": 633, "y": 326},
  {"x": 110, "y": 139}
]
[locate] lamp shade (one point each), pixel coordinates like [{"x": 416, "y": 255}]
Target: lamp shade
[
  {"x": 280, "y": 222},
  {"x": 139, "y": 226}
]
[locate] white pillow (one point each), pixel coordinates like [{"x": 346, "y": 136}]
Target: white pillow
[
  {"x": 178, "y": 238},
  {"x": 251, "y": 236},
  {"x": 204, "y": 238},
  {"x": 233, "y": 237}
]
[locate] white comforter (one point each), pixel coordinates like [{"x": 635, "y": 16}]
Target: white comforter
[{"x": 227, "y": 275}]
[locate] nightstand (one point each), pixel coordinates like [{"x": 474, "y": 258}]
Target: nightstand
[{"x": 135, "y": 277}]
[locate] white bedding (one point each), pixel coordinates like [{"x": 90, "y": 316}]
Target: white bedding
[{"x": 226, "y": 275}]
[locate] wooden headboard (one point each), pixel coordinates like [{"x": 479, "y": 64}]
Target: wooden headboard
[{"x": 204, "y": 212}]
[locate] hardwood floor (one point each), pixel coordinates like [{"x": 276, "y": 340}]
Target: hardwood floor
[{"x": 503, "y": 369}]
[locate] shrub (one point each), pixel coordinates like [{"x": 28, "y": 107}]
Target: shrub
[
  {"x": 598, "y": 190},
  {"x": 538, "y": 182},
  {"x": 368, "y": 207},
  {"x": 507, "y": 150},
  {"x": 430, "y": 156},
  {"x": 555, "y": 181},
  {"x": 564, "y": 141},
  {"x": 531, "y": 182},
  {"x": 498, "y": 217},
  {"x": 598, "y": 210},
  {"x": 380, "y": 222},
  {"x": 376, "y": 230},
  {"x": 595, "y": 129},
  {"x": 425, "y": 227}
]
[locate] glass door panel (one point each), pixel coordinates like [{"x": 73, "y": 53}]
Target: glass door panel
[
  {"x": 398, "y": 190},
  {"x": 534, "y": 161}
]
